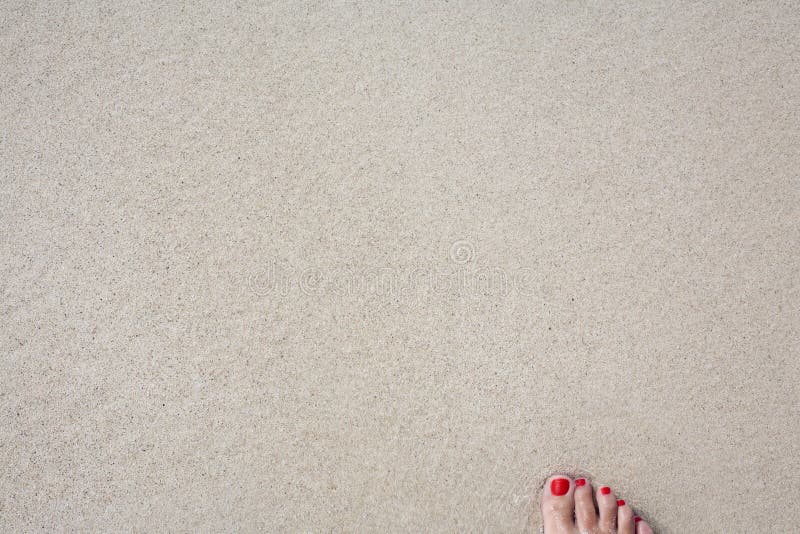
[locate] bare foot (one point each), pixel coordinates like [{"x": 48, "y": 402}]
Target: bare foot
[{"x": 568, "y": 507}]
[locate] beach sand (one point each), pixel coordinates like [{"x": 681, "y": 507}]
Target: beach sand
[{"x": 346, "y": 267}]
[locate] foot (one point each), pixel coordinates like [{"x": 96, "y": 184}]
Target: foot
[{"x": 568, "y": 507}]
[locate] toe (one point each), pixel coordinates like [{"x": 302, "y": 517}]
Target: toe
[
  {"x": 558, "y": 505},
  {"x": 625, "y": 523},
  {"x": 585, "y": 513},
  {"x": 607, "y": 504},
  {"x": 642, "y": 527}
]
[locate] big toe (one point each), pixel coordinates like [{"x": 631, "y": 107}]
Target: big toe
[{"x": 558, "y": 505}]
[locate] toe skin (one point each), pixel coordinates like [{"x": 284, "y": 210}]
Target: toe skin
[
  {"x": 558, "y": 505},
  {"x": 625, "y": 524},
  {"x": 607, "y": 504},
  {"x": 585, "y": 513},
  {"x": 642, "y": 527}
]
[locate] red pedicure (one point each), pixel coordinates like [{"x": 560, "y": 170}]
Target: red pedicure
[
  {"x": 621, "y": 502},
  {"x": 605, "y": 490},
  {"x": 559, "y": 486},
  {"x": 580, "y": 482},
  {"x": 637, "y": 519}
]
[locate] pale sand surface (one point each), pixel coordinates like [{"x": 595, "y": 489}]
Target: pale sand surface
[{"x": 632, "y": 170}]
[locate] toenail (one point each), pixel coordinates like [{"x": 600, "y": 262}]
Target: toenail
[
  {"x": 637, "y": 519},
  {"x": 605, "y": 490},
  {"x": 559, "y": 486},
  {"x": 580, "y": 482},
  {"x": 621, "y": 502}
]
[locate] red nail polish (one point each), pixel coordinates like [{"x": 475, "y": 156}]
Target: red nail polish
[
  {"x": 605, "y": 490},
  {"x": 637, "y": 519},
  {"x": 580, "y": 482},
  {"x": 621, "y": 502},
  {"x": 559, "y": 486}
]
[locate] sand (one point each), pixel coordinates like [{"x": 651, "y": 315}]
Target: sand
[{"x": 361, "y": 268}]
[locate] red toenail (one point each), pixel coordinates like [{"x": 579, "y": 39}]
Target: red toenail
[
  {"x": 605, "y": 490},
  {"x": 580, "y": 482},
  {"x": 620, "y": 502},
  {"x": 559, "y": 486},
  {"x": 637, "y": 519}
]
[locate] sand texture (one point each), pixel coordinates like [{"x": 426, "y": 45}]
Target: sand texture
[{"x": 383, "y": 266}]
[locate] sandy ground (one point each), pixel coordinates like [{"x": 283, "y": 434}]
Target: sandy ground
[{"x": 341, "y": 267}]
